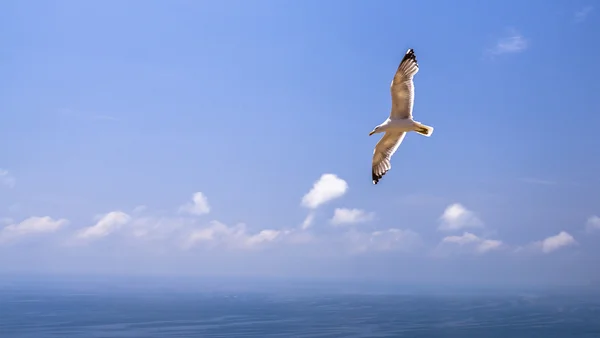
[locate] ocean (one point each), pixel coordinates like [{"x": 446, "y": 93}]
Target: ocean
[{"x": 27, "y": 312}]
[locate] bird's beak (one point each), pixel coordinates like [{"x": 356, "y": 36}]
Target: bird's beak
[{"x": 371, "y": 133}]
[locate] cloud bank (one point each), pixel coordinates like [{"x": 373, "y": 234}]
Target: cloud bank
[{"x": 349, "y": 231}]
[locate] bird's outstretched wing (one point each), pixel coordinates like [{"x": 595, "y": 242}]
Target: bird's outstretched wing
[
  {"x": 402, "y": 87},
  {"x": 385, "y": 148}
]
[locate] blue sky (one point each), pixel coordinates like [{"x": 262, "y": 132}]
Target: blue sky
[{"x": 231, "y": 138}]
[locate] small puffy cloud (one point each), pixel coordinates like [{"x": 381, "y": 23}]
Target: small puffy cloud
[
  {"x": 555, "y": 242},
  {"x": 593, "y": 224},
  {"x": 384, "y": 240},
  {"x": 218, "y": 234},
  {"x": 350, "y": 216},
  {"x": 7, "y": 179},
  {"x": 457, "y": 217},
  {"x": 512, "y": 43},
  {"x": 307, "y": 223},
  {"x": 583, "y": 13},
  {"x": 33, "y": 225},
  {"x": 263, "y": 236},
  {"x": 106, "y": 225},
  {"x": 327, "y": 188},
  {"x": 481, "y": 245},
  {"x": 198, "y": 205}
]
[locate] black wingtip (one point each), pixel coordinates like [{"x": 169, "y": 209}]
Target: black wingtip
[
  {"x": 410, "y": 55},
  {"x": 376, "y": 177}
]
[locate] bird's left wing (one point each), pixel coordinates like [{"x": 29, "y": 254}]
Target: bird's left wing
[
  {"x": 385, "y": 148},
  {"x": 402, "y": 87}
]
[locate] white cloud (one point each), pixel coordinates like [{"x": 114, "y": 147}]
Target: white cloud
[
  {"x": 218, "y": 234},
  {"x": 488, "y": 245},
  {"x": 457, "y": 217},
  {"x": 37, "y": 224},
  {"x": 33, "y": 225},
  {"x": 107, "y": 224},
  {"x": 350, "y": 216},
  {"x": 593, "y": 223},
  {"x": 513, "y": 43},
  {"x": 307, "y": 223},
  {"x": 556, "y": 242},
  {"x": 263, "y": 236},
  {"x": 481, "y": 245},
  {"x": 583, "y": 13},
  {"x": 385, "y": 240},
  {"x": 7, "y": 179},
  {"x": 465, "y": 238},
  {"x": 327, "y": 188},
  {"x": 198, "y": 206}
]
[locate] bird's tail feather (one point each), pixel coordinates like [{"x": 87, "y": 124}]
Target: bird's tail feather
[{"x": 424, "y": 130}]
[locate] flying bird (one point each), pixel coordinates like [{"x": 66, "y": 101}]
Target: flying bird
[{"x": 401, "y": 120}]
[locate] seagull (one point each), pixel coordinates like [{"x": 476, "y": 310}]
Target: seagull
[{"x": 400, "y": 121}]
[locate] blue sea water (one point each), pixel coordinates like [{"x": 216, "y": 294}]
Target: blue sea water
[{"x": 64, "y": 313}]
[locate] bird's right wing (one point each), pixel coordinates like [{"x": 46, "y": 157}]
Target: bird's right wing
[
  {"x": 385, "y": 148},
  {"x": 402, "y": 87}
]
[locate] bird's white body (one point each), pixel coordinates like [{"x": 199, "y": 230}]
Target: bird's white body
[
  {"x": 403, "y": 126},
  {"x": 400, "y": 120}
]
